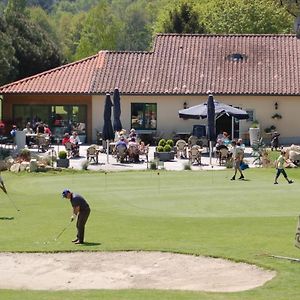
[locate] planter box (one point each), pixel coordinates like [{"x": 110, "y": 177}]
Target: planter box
[
  {"x": 254, "y": 135},
  {"x": 63, "y": 163},
  {"x": 164, "y": 156}
]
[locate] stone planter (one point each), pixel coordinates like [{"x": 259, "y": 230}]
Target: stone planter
[
  {"x": 164, "y": 156},
  {"x": 254, "y": 135},
  {"x": 63, "y": 163}
]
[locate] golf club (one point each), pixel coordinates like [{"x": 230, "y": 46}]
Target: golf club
[
  {"x": 63, "y": 231},
  {"x": 13, "y": 203},
  {"x": 5, "y": 191}
]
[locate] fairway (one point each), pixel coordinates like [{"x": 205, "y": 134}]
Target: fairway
[{"x": 202, "y": 213}]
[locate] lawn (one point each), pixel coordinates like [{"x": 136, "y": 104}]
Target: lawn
[{"x": 197, "y": 212}]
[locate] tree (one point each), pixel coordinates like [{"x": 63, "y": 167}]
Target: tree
[
  {"x": 243, "y": 16},
  {"x": 292, "y": 6},
  {"x": 135, "y": 33},
  {"x": 34, "y": 50},
  {"x": 181, "y": 19},
  {"x": 99, "y": 31},
  {"x": 7, "y": 52}
]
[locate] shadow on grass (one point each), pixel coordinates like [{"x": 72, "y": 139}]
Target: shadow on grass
[
  {"x": 6, "y": 218},
  {"x": 90, "y": 244}
]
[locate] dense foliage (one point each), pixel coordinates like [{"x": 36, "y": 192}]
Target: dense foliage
[{"x": 37, "y": 35}]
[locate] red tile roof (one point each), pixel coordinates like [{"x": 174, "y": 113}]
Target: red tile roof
[{"x": 181, "y": 64}]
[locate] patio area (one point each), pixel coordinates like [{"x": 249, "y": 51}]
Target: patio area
[{"x": 114, "y": 165}]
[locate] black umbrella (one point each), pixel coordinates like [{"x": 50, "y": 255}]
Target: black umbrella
[
  {"x": 211, "y": 124},
  {"x": 117, "y": 110},
  {"x": 211, "y": 121},
  {"x": 107, "y": 132}
]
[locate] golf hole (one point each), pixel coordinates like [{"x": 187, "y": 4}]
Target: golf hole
[{"x": 127, "y": 270}]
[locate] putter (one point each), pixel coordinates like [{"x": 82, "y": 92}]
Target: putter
[{"x": 62, "y": 231}]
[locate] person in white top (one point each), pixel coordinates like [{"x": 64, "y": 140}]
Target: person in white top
[
  {"x": 75, "y": 141},
  {"x": 237, "y": 156}
]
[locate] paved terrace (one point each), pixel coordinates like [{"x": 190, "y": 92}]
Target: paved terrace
[{"x": 113, "y": 165}]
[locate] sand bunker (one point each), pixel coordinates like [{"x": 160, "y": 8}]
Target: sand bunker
[{"x": 127, "y": 270}]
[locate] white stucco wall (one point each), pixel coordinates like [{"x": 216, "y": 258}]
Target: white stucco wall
[{"x": 168, "y": 121}]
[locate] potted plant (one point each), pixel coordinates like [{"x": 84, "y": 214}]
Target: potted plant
[
  {"x": 276, "y": 116},
  {"x": 164, "y": 150},
  {"x": 254, "y": 133},
  {"x": 62, "y": 161}
]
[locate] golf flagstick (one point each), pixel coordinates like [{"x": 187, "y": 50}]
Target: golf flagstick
[{"x": 2, "y": 186}]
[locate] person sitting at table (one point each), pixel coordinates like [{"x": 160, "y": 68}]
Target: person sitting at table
[
  {"x": 29, "y": 132},
  {"x": 13, "y": 131},
  {"x": 133, "y": 150},
  {"x": 40, "y": 129},
  {"x": 75, "y": 141},
  {"x": 132, "y": 134},
  {"x": 66, "y": 138}
]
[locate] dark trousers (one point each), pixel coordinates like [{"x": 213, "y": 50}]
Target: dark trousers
[
  {"x": 281, "y": 171},
  {"x": 81, "y": 220}
]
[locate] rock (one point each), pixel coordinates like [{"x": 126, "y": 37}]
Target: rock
[
  {"x": 15, "y": 168},
  {"x": 24, "y": 165},
  {"x": 33, "y": 166}
]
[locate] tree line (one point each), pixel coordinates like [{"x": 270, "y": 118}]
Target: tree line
[{"x": 37, "y": 35}]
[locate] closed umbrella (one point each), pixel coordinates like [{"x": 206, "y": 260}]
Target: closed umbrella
[
  {"x": 107, "y": 132},
  {"x": 211, "y": 124},
  {"x": 117, "y": 110}
]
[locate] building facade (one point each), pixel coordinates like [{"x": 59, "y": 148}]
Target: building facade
[{"x": 258, "y": 73}]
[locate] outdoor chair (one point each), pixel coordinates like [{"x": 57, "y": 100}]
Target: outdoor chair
[
  {"x": 223, "y": 156},
  {"x": 144, "y": 151},
  {"x": 121, "y": 153},
  {"x": 192, "y": 141},
  {"x": 43, "y": 143},
  {"x": 195, "y": 154},
  {"x": 133, "y": 153},
  {"x": 68, "y": 147},
  {"x": 181, "y": 148},
  {"x": 92, "y": 153}
]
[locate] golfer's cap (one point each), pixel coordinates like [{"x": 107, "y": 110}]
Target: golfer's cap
[{"x": 65, "y": 193}]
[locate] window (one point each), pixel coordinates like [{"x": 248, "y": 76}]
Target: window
[
  {"x": 237, "y": 57},
  {"x": 60, "y": 118},
  {"x": 144, "y": 116}
]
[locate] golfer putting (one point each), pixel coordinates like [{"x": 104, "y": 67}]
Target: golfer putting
[{"x": 81, "y": 210}]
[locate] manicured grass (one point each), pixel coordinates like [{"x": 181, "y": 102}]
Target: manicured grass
[{"x": 187, "y": 212}]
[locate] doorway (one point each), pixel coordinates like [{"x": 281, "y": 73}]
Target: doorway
[{"x": 224, "y": 123}]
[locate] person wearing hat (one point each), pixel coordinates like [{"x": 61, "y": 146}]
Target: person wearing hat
[
  {"x": 81, "y": 210},
  {"x": 279, "y": 164}
]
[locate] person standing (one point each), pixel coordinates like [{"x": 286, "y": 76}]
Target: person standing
[
  {"x": 81, "y": 210},
  {"x": 279, "y": 164},
  {"x": 237, "y": 156}
]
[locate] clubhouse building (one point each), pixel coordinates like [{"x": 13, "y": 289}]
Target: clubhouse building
[{"x": 258, "y": 73}]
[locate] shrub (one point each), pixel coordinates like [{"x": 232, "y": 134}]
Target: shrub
[
  {"x": 153, "y": 165},
  {"x": 187, "y": 166},
  {"x": 162, "y": 142},
  {"x": 170, "y": 142},
  {"x": 160, "y": 149},
  {"x": 4, "y": 153},
  {"x": 25, "y": 154},
  {"x": 62, "y": 154},
  {"x": 85, "y": 164},
  {"x": 167, "y": 148}
]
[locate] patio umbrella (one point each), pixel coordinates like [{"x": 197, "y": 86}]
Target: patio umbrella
[
  {"x": 107, "y": 132},
  {"x": 200, "y": 111},
  {"x": 117, "y": 110},
  {"x": 211, "y": 124}
]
